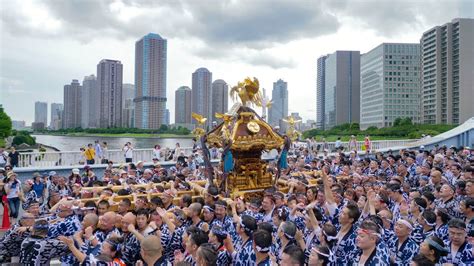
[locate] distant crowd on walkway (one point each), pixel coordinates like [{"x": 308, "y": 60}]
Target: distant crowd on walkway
[{"x": 99, "y": 153}]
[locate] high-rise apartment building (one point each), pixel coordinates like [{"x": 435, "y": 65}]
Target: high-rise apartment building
[
  {"x": 150, "y": 81},
  {"x": 90, "y": 102},
  {"x": 447, "y": 72},
  {"x": 341, "y": 88},
  {"x": 167, "y": 117},
  {"x": 320, "y": 78},
  {"x": 279, "y": 109},
  {"x": 41, "y": 113},
  {"x": 201, "y": 94},
  {"x": 390, "y": 84},
  {"x": 128, "y": 106},
  {"x": 109, "y": 82},
  {"x": 128, "y": 92},
  {"x": 56, "y": 115},
  {"x": 72, "y": 105},
  {"x": 183, "y": 99},
  {"x": 220, "y": 98}
]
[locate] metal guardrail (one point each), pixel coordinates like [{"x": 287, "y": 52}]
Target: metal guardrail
[
  {"x": 76, "y": 158},
  {"x": 374, "y": 145},
  {"x": 73, "y": 158}
]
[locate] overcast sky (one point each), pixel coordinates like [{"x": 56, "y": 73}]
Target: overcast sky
[{"x": 45, "y": 44}]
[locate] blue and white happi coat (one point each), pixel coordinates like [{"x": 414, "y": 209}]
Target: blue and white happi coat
[
  {"x": 223, "y": 256},
  {"x": 10, "y": 243},
  {"x": 245, "y": 254},
  {"x": 39, "y": 251},
  {"x": 176, "y": 242},
  {"x": 451, "y": 206},
  {"x": 463, "y": 257},
  {"x": 343, "y": 252},
  {"x": 67, "y": 227},
  {"x": 404, "y": 254},
  {"x": 377, "y": 258},
  {"x": 442, "y": 233},
  {"x": 130, "y": 249},
  {"x": 29, "y": 198},
  {"x": 419, "y": 235}
]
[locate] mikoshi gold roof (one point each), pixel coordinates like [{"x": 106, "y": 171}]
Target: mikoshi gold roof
[{"x": 245, "y": 137}]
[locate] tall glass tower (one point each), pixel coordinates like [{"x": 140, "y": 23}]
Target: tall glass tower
[{"x": 150, "y": 81}]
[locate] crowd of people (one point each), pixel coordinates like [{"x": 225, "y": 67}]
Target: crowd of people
[
  {"x": 9, "y": 158},
  {"x": 415, "y": 207},
  {"x": 98, "y": 153}
]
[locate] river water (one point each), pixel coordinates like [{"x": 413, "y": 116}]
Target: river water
[{"x": 68, "y": 143}]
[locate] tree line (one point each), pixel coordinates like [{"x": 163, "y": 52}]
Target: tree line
[
  {"x": 164, "y": 129},
  {"x": 403, "y": 127}
]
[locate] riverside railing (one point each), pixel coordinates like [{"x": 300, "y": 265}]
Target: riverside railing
[
  {"x": 71, "y": 158},
  {"x": 376, "y": 145},
  {"x": 76, "y": 158}
]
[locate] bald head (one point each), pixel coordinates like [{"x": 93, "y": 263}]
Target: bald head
[
  {"x": 109, "y": 215},
  {"x": 127, "y": 220},
  {"x": 151, "y": 243},
  {"x": 196, "y": 207},
  {"x": 91, "y": 219},
  {"x": 107, "y": 221},
  {"x": 151, "y": 247}
]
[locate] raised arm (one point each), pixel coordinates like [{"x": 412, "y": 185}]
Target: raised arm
[
  {"x": 370, "y": 202},
  {"x": 164, "y": 217},
  {"x": 81, "y": 257},
  {"x": 235, "y": 216},
  {"x": 138, "y": 235},
  {"x": 312, "y": 218},
  {"x": 327, "y": 188}
]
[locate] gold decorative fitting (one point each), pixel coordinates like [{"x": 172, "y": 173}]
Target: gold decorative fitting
[
  {"x": 249, "y": 135},
  {"x": 253, "y": 127}
]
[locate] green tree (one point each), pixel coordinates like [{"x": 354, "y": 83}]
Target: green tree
[
  {"x": 5, "y": 124},
  {"x": 397, "y": 121},
  {"x": 407, "y": 121},
  {"x": 23, "y": 137},
  {"x": 402, "y": 121}
]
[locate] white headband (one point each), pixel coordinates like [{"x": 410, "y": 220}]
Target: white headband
[
  {"x": 321, "y": 253},
  {"x": 406, "y": 223},
  {"x": 429, "y": 224}
]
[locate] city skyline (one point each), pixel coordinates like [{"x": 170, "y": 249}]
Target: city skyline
[{"x": 268, "y": 56}]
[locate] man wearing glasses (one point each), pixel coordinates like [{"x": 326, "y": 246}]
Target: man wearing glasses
[{"x": 460, "y": 250}]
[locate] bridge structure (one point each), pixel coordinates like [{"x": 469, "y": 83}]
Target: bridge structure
[{"x": 63, "y": 162}]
